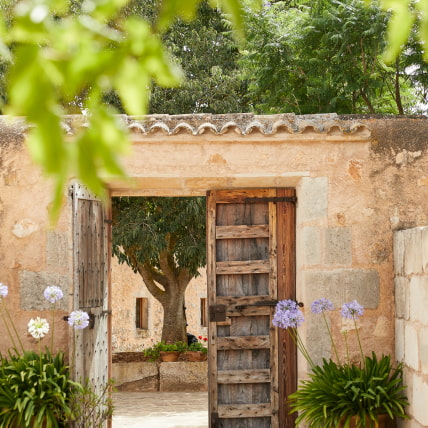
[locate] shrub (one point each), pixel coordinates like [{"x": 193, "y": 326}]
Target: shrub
[{"x": 35, "y": 390}]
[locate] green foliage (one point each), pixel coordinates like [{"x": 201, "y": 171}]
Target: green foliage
[
  {"x": 153, "y": 353},
  {"x": 336, "y": 392},
  {"x": 197, "y": 346},
  {"x": 207, "y": 54},
  {"x": 145, "y": 227},
  {"x": 327, "y": 59},
  {"x": 35, "y": 390}
]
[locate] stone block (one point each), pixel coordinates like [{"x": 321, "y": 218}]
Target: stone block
[
  {"x": 413, "y": 251},
  {"x": 317, "y": 338},
  {"x": 33, "y": 284},
  {"x": 411, "y": 348},
  {"x": 423, "y": 349},
  {"x": 402, "y": 302},
  {"x": 399, "y": 340},
  {"x": 425, "y": 249},
  {"x": 337, "y": 246},
  {"x": 56, "y": 249},
  {"x": 311, "y": 246},
  {"x": 313, "y": 198},
  {"x": 418, "y": 296},
  {"x": 183, "y": 376},
  {"x": 343, "y": 285},
  {"x": 420, "y": 394},
  {"x": 136, "y": 376},
  {"x": 398, "y": 245}
]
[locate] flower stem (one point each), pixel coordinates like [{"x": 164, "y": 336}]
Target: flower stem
[
  {"x": 13, "y": 327},
  {"x": 359, "y": 341},
  {"x": 345, "y": 334},
  {"x": 331, "y": 337},
  {"x": 53, "y": 328},
  {"x": 301, "y": 346}
]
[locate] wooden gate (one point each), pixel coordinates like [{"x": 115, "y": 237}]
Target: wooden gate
[
  {"x": 251, "y": 259},
  {"x": 91, "y": 265}
]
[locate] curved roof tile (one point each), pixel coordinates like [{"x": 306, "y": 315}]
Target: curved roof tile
[{"x": 246, "y": 124}]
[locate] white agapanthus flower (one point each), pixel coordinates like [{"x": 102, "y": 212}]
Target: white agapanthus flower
[
  {"x": 3, "y": 290},
  {"x": 53, "y": 293},
  {"x": 79, "y": 320},
  {"x": 38, "y": 327}
]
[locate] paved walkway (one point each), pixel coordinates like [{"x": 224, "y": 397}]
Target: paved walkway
[{"x": 160, "y": 410}]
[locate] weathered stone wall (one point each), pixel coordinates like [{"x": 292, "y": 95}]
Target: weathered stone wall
[
  {"x": 411, "y": 318},
  {"x": 153, "y": 376},
  {"x": 32, "y": 254},
  {"x": 357, "y": 179}
]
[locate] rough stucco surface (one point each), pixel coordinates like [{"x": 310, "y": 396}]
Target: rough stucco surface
[
  {"x": 29, "y": 261},
  {"x": 357, "y": 179}
]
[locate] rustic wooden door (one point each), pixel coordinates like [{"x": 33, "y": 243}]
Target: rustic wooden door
[
  {"x": 252, "y": 367},
  {"x": 91, "y": 287}
]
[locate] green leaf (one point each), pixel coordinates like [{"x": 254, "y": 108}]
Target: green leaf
[{"x": 171, "y": 9}]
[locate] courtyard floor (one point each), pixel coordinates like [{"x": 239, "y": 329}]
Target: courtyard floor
[{"x": 160, "y": 410}]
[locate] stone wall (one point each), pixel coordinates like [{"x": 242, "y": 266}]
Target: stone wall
[
  {"x": 411, "y": 322},
  {"x": 33, "y": 255},
  {"x": 154, "y": 376}
]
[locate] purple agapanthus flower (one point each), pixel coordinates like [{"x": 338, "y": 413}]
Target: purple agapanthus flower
[
  {"x": 53, "y": 293},
  {"x": 321, "y": 305},
  {"x": 287, "y": 315},
  {"x": 4, "y": 290},
  {"x": 352, "y": 310},
  {"x": 286, "y": 305},
  {"x": 79, "y": 320}
]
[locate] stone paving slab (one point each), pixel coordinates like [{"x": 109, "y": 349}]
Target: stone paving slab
[{"x": 160, "y": 410}]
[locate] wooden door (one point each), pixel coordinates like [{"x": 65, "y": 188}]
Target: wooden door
[
  {"x": 252, "y": 367},
  {"x": 91, "y": 287}
]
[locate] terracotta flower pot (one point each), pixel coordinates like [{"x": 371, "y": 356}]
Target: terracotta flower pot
[
  {"x": 381, "y": 423},
  {"x": 195, "y": 356},
  {"x": 169, "y": 356}
]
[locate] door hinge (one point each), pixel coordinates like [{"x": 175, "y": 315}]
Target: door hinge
[{"x": 217, "y": 313}]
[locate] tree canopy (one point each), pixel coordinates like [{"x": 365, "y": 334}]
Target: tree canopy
[{"x": 327, "y": 57}]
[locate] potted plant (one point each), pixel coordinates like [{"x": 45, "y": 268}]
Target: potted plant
[
  {"x": 341, "y": 393},
  {"x": 166, "y": 351},
  {"x": 197, "y": 351}
]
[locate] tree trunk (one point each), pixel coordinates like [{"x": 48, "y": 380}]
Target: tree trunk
[{"x": 174, "y": 318}]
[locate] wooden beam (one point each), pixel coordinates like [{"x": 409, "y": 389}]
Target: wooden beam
[
  {"x": 242, "y": 267},
  {"x": 243, "y": 342},
  {"x": 244, "y": 376},
  {"x": 242, "y": 231},
  {"x": 244, "y": 410}
]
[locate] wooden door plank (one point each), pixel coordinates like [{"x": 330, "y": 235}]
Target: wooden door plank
[
  {"x": 273, "y": 293},
  {"x": 242, "y": 300},
  {"x": 243, "y": 342},
  {"x": 242, "y": 267},
  {"x": 238, "y": 196},
  {"x": 244, "y": 376},
  {"x": 211, "y": 295},
  {"x": 249, "y": 311},
  {"x": 244, "y": 410},
  {"x": 287, "y": 357},
  {"x": 242, "y": 231}
]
